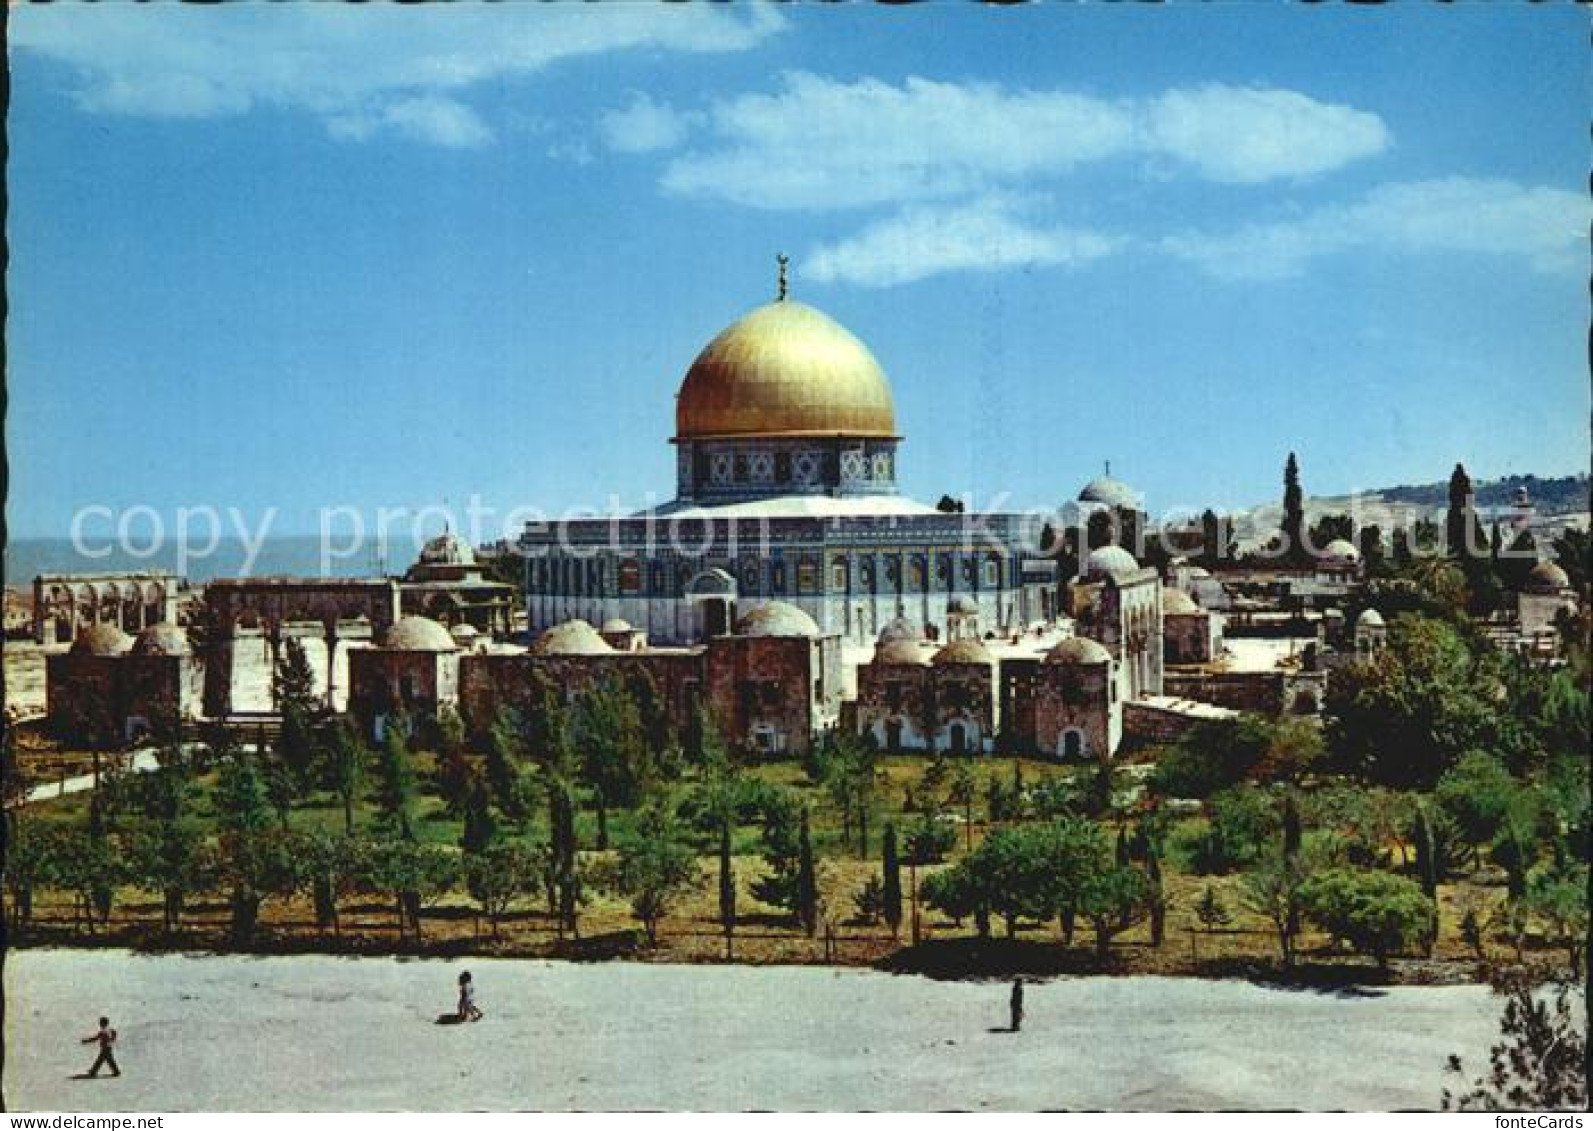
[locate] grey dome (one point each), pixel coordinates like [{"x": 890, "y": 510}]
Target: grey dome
[
  {"x": 1109, "y": 492},
  {"x": 1175, "y": 603},
  {"x": 447, "y": 549},
  {"x": 163, "y": 639},
  {"x": 1078, "y": 650},
  {"x": 1109, "y": 561},
  {"x": 776, "y": 618},
  {"x": 1547, "y": 577},
  {"x": 418, "y": 634},
  {"x": 965, "y": 652},
  {"x": 571, "y": 638},
  {"x": 900, "y": 629},
  {"x": 101, "y": 639}
]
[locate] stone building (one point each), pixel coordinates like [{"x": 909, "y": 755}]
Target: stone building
[
  {"x": 1078, "y": 710},
  {"x": 446, "y": 584},
  {"x": 786, "y": 458},
  {"x": 1118, "y": 603},
  {"x": 335, "y": 611},
  {"x": 1371, "y": 633},
  {"x": 109, "y": 690},
  {"x": 1274, "y": 692},
  {"x": 1546, "y": 593},
  {"x": 772, "y": 683},
  {"x": 1190, "y": 634},
  {"x": 66, "y": 603},
  {"x": 414, "y": 673},
  {"x": 913, "y": 696}
]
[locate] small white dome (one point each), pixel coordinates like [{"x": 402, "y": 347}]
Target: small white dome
[
  {"x": 776, "y": 618},
  {"x": 1109, "y": 492},
  {"x": 571, "y": 638},
  {"x": 1078, "y": 650},
  {"x": 1109, "y": 561},
  {"x": 418, "y": 634}
]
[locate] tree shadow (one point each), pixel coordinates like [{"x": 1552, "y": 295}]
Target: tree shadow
[
  {"x": 975, "y": 959},
  {"x": 601, "y": 948}
]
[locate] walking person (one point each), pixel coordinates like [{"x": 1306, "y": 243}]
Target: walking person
[
  {"x": 1017, "y": 1004},
  {"x": 467, "y": 999},
  {"x": 107, "y": 1040}
]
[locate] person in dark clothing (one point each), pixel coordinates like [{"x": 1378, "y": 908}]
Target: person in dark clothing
[
  {"x": 467, "y": 999},
  {"x": 107, "y": 1041},
  {"x": 1017, "y": 1004}
]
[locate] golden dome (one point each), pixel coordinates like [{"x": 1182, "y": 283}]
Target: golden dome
[{"x": 785, "y": 370}]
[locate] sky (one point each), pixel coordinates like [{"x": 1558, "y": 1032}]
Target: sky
[{"x": 302, "y": 257}]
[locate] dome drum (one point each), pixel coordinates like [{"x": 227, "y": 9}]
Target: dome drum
[{"x": 755, "y": 467}]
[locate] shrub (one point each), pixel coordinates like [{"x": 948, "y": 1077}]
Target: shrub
[
  {"x": 1377, "y": 913},
  {"x": 1240, "y": 823},
  {"x": 928, "y": 841},
  {"x": 870, "y": 901}
]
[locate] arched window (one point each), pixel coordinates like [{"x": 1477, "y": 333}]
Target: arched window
[{"x": 630, "y": 576}]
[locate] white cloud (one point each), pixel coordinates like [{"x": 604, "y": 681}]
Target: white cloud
[
  {"x": 926, "y": 241},
  {"x": 1547, "y": 227},
  {"x": 1246, "y": 136},
  {"x": 430, "y": 118},
  {"x": 362, "y": 69},
  {"x": 643, "y": 126},
  {"x": 820, "y": 143}
]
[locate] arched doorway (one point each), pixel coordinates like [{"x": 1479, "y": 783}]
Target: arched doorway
[
  {"x": 712, "y": 594},
  {"x": 1073, "y": 743},
  {"x": 957, "y": 736}
]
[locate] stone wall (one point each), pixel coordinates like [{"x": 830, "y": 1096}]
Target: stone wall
[
  {"x": 1075, "y": 699},
  {"x": 383, "y": 683},
  {"x": 104, "y": 702},
  {"x": 1265, "y": 692},
  {"x": 1188, "y": 638}
]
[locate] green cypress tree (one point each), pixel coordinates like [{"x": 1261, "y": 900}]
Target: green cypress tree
[
  {"x": 807, "y": 881},
  {"x": 395, "y": 782},
  {"x": 1293, "y": 836},
  {"x": 1426, "y": 850},
  {"x": 893, "y": 881},
  {"x": 1293, "y": 511},
  {"x": 480, "y": 829},
  {"x": 727, "y": 890}
]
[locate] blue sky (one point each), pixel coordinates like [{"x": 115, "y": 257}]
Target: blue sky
[{"x": 301, "y": 257}]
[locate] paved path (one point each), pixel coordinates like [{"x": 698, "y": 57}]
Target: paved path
[
  {"x": 141, "y": 762},
  {"x": 324, "y": 1033}
]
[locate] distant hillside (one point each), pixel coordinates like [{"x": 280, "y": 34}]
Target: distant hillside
[{"x": 1549, "y": 496}]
